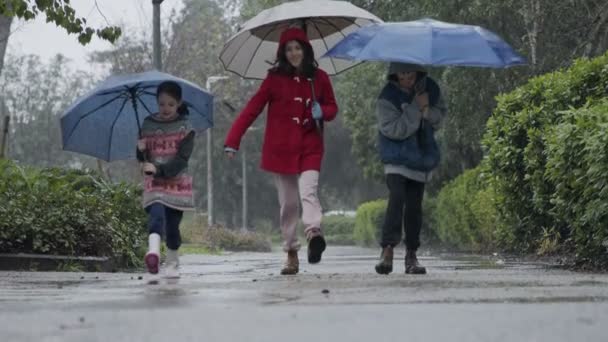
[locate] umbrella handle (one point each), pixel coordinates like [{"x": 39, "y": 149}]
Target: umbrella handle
[
  {"x": 133, "y": 96},
  {"x": 146, "y": 160},
  {"x": 134, "y": 103}
]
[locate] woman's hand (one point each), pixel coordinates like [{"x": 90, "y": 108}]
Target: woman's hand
[
  {"x": 230, "y": 155},
  {"x": 317, "y": 113}
]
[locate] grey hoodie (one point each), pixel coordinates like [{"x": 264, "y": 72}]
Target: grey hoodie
[{"x": 401, "y": 123}]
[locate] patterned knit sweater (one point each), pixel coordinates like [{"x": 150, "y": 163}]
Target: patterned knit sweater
[{"x": 169, "y": 145}]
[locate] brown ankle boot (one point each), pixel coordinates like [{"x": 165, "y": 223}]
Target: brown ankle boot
[
  {"x": 385, "y": 266},
  {"x": 411, "y": 264},
  {"x": 292, "y": 265}
]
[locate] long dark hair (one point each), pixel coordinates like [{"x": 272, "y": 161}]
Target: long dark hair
[
  {"x": 309, "y": 64},
  {"x": 174, "y": 90}
]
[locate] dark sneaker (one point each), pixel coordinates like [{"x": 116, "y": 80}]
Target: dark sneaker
[{"x": 316, "y": 247}]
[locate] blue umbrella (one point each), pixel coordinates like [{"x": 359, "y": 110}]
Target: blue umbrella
[
  {"x": 106, "y": 122},
  {"x": 427, "y": 42}
]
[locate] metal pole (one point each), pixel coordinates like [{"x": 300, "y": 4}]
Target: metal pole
[
  {"x": 156, "y": 33},
  {"x": 244, "y": 157},
  {"x": 244, "y": 202},
  {"x": 210, "y": 218}
]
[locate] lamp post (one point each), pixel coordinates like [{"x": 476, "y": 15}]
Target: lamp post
[{"x": 158, "y": 65}]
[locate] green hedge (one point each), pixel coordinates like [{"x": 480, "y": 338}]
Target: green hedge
[
  {"x": 56, "y": 211},
  {"x": 465, "y": 216},
  {"x": 370, "y": 218},
  {"x": 577, "y": 167},
  {"x": 339, "y": 230},
  {"x": 516, "y": 144},
  {"x": 368, "y": 224}
]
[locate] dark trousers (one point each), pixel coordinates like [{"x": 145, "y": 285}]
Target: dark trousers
[
  {"x": 404, "y": 211},
  {"x": 165, "y": 221}
]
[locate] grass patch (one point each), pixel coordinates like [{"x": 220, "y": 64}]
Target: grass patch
[
  {"x": 194, "y": 231},
  {"x": 198, "y": 250}
]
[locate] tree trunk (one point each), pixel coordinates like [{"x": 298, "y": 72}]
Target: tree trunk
[
  {"x": 5, "y": 32},
  {"x": 533, "y": 18},
  {"x": 597, "y": 41}
]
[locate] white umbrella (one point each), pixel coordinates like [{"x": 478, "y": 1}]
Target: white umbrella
[{"x": 252, "y": 51}]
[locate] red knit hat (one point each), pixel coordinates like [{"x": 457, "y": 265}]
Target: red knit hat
[{"x": 293, "y": 33}]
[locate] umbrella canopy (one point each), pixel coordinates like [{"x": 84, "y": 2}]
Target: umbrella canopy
[
  {"x": 106, "y": 122},
  {"x": 252, "y": 51},
  {"x": 427, "y": 42}
]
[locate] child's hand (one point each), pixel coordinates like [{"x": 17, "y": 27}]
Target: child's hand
[
  {"x": 141, "y": 145},
  {"x": 422, "y": 100},
  {"x": 426, "y": 114},
  {"x": 149, "y": 169}
]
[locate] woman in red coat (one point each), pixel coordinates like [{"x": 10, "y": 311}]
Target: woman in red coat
[{"x": 293, "y": 142}]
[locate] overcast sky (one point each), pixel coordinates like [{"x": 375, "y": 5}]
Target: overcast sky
[{"x": 46, "y": 40}]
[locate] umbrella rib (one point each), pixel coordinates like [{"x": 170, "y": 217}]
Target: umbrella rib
[
  {"x": 141, "y": 92},
  {"x": 114, "y": 124},
  {"x": 257, "y": 48},
  {"x": 236, "y": 53},
  {"x": 143, "y": 104},
  {"x": 326, "y": 47},
  {"x": 332, "y": 25},
  {"x": 144, "y": 88},
  {"x": 101, "y": 106},
  {"x": 201, "y": 114},
  {"x": 122, "y": 89},
  {"x": 91, "y": 112},
  {"x": 110, "y": 92},
  {"x": 148, "y": 93},
  {"x": 352, "y": 20}
]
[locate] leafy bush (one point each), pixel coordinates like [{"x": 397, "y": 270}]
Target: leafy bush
[
  {"x": 428, "y": 233},
  {"x": 56, "y": 211},
  {"x": 465, "y": 215},
  {"x": 339, "y": 230},
  {"x": 577, "y": 166},
  {"x": 368, "y": 224},
  {"x": 516, "y": 144}
]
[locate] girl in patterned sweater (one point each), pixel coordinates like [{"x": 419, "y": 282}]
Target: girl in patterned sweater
[{"x": 165, "y": 146}]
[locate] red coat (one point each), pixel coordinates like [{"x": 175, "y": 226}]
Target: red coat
[{"x": 292, "y": 144}]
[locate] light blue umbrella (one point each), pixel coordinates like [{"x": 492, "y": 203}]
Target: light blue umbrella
[
  {"x": 427, "y": 42},
  {"x": 106, "y": 122}
]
